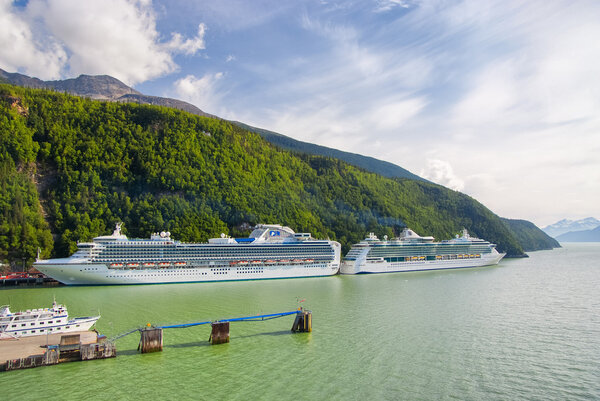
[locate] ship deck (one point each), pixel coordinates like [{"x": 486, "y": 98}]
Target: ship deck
[{"x": 36, "y": 345}]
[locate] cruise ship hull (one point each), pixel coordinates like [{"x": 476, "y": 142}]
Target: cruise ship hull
[
  {"x": 101, "y": 274},
  {"x": 361, "y": 267}
]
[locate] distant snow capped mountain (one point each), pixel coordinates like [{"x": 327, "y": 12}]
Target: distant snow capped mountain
[
  {"x": 581, "y": 236},
  {"x": 565, "y": 226}
]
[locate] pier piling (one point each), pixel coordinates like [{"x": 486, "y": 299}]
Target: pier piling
[
  {"x": 220, "y": 333},
  {"x": 151, "y": 340},
  {"x": 303, "y": 322}
]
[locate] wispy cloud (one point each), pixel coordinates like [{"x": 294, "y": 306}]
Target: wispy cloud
[
  {"x": 387, "y": 5},
  {"x": 69, "y": 37},
  {"x": 441, "y": 172},
  {"x": 187, "y": 46},
  {"x": 22, "y": 50},
  {"x": 504, "y": 92},
  {"x": 202, "y": 92}
]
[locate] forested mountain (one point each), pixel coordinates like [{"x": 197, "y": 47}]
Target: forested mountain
[
  {"x": 71, "y": 167},
  {"x": 99, "y": 87},
  {"x": 104, "y": 87},
  {"x": 371, "y": 164},
  {"x": 530, "y": 236}
]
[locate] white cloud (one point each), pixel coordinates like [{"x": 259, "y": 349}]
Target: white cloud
[
  {"x": 21, "y": 50},
  {"x": 188, "y": 46},
  {"x": 394, "y": 115},
  {"x": 387, "y": 5},
  {"x": 201, "y": 92},
  {"x": 441, "y": 172},
  {"x": 114, "y": 37}
]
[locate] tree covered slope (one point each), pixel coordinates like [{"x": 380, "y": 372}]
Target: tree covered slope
[
  {"x": 71, "y": 167},
  {"x": 530, "y": 236}
]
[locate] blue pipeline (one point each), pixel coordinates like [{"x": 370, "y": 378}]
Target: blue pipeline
[{"x": 238, "y": 319}]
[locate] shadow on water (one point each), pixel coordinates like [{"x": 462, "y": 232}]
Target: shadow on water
[
  {"x": 207, "y": 343},
  {"x": 274, "y": 333}
]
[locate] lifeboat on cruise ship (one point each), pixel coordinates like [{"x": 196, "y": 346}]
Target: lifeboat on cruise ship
[
  {"x": 132, "y": 265},
  {"x": 243, "y": 262},
  {"x": 164, "y": 264},
  {"x": 179, "y": 263},
  {"x": 284, "y": 261},
  {"x": 256, "y": 262},
  {"x": 309, "y": 260},
  {"x": 149, "y": 264},
  {"x": 116, "y": 265},
  {"x": 269, "y": 262},
  {"x": 233, "y": 263},
  {"x": 296, "y": 261}
]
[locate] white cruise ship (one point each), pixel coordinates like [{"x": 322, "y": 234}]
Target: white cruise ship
[
  {"x": 271, "y": 251},
  {"x": 36, "y": 322},
  {"x": 411, "y": 252}
]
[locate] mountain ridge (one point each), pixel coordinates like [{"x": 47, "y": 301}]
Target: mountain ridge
[
  {"x": 565, "y": 225},
  {"x": 105, "y": 87},
  {"x": 580, "y": 236},
  {"x": 125, "y": 94}
]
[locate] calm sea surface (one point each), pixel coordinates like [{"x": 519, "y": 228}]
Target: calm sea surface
[{"x": 527, "y": 329}]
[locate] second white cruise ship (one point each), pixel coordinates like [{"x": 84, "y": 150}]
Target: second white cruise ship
[
  {"x": 271, "y": 251},
  {"x": 411, "y": 252}
]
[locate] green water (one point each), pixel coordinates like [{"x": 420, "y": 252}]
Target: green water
[{"x": 526, "y": 329}]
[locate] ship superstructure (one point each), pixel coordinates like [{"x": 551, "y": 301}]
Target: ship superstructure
[
  {"x": 35, "y": 322},
  {"x": 411, "y": 252},
  {"x": 271, "y": 251}
]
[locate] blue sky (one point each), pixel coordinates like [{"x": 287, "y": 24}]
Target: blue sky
[{"x": 497, "y": 99}]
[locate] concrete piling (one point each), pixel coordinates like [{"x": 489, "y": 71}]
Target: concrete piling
[
  {"x": 219, "y": 333},
  {"x": 303, "y": 322},
  {"x": 151, "y": 340}
]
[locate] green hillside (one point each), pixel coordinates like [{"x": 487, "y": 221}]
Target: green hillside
[
  {"x": 371, "y": 164},
  {"x": 530, "y": 236},
  {"x": 71, "y": 167}
]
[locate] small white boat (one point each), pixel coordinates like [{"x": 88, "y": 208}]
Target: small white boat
[{"x": 35, "y": 322}]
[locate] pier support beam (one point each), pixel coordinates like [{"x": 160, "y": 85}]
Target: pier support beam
[
  {"x": 303, "y": 322},
  {"x": 151, "y": 340},
  {"x": 220, "y": 333}
]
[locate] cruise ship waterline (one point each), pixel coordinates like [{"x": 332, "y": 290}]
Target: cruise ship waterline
[
  {"x": 411, "y": 252},
  {"x": 270, "y": 252}
]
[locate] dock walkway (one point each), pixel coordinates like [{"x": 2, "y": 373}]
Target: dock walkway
[{"x": 24, "y": 347}]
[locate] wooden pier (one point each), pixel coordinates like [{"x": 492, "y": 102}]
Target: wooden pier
[
  {"x": 44, "y": 350},
  {"x": 29, "y": 282},
  {"x": 34, "y": 351}
]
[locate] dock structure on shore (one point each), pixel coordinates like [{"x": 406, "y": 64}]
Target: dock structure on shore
[
  {"x": 34, "y": 351},
  {"x": 26, "y": 352},
  {"x": 29, "y": 282}
]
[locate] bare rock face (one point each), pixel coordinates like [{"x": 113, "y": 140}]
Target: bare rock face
[{"x": 99, "y": 87}]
